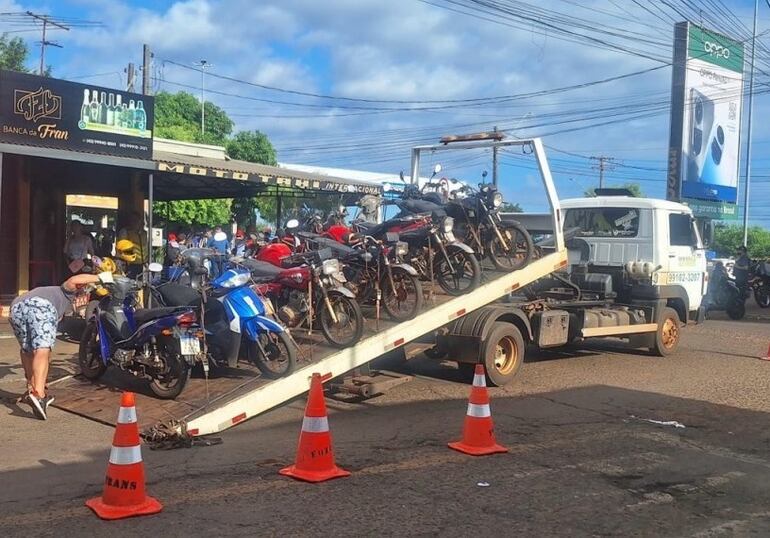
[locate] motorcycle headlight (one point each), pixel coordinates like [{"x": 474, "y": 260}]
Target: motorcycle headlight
[
  {"x": 331, "y": 266},
  {"x": 497, "y": 199},
  {"x": 367, "y": 257},
  {"x": 402, "y": 248},
  {"x": 448, "y": 224}
]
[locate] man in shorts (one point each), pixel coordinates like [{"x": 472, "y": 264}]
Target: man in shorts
[{"x": 34, "y": 318}]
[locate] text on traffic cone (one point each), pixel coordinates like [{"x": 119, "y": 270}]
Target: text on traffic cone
[
  {"x": 315, "y": 456},
  {"x": 124, "y": 489}
]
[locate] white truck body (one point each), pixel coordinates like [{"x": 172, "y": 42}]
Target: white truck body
[{"x": 623, "y": 229}]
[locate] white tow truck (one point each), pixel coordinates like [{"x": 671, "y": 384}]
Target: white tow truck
[
  {"x": 636, "y": 271},
  {"x": 562, "y": 295}
]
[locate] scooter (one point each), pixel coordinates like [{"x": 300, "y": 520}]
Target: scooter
[
  {"x": 237, "y": 321},
  {"x": 157, "y": 344}
]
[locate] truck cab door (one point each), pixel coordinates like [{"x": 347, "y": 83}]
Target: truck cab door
[{"x": 686, "y": 259}]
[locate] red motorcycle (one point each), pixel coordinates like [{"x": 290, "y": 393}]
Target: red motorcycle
[{"x": 308, "y": 290}]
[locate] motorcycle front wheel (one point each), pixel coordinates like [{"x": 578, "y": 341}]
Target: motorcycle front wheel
[
  {"x": 350, "y": 321},
  {"x": 275, "y": 356},
  {"x": 462, "y": 276},
  {"x": 403, "y": 300},
  {"x": 762, "y": 296},
  {"x": 90, "y": 354},
  {"x": 170, "y": 382},
  {"x": 736, "y": 309},
  {"x": 518, "y": 253}
]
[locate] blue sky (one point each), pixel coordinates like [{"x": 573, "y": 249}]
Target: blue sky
[{"x": 406, "y": 50}]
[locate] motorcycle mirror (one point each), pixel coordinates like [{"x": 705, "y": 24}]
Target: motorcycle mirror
[
  {"x": 401, "y": 175},
  {"x": 484, "y": 174},
  {"x": 292, "y": 224},
  {"x": 155, "y": 267},
  {"x": 436, "y": 169}
]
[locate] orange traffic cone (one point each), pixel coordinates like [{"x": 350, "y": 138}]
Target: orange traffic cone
[
  {"x": 124, "y": 494},
  {"x": 315, "y": 457},
  {"x": 478, "y": 431}
]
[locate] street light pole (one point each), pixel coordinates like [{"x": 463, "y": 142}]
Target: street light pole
[
  {"x": 748, "y": 142},
  {"x": 203, "y": 64}
]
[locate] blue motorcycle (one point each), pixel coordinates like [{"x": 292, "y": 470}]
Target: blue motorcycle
[
  {"x": 157, "y": 344},
  {"x": 237, "y": 321}
]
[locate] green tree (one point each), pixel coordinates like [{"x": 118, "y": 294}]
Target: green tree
[
  {"x": 509, "y": 207},
  {"x": 13, "y": 54},
  {"x": 728, "y": 238},
  {"x": 635, "y": 189},
  {"x": 254, "y": 147},
  {"x": 178, "y": 117}
]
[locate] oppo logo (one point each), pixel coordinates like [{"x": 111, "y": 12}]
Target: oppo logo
[{"x": 715, "y": 49}]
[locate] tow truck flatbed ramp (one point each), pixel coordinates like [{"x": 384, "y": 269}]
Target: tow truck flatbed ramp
[
  {"x": 235, "y": 395},
  {"x": 230, "y": 401}
]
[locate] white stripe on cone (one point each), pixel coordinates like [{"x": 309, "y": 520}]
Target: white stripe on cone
[
  {"x": 479, "y": 410},
  {"x": 315, "y": 424},
  {"x": 125, "y": 455},
  {"x": 479, "y": 380},
  {"x": 127, "y": 415}
]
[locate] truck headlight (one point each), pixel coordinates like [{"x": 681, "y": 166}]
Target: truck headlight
[
  {"x": 448, "y": 224},
  {"x": 497, "y": 199},
  {"x": 331, "y": 266}
]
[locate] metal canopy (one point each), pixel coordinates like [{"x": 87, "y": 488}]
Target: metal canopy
[{"x": 183, "y": 177}]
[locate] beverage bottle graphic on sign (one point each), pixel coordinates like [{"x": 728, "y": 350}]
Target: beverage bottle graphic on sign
[
  {"x": 131, "y": 115},
  {"x": 111, "y": 110},
  {"x": 103, "y": 108},
  {"x": 85, "y": 110},
  {"x": 118, "y": 111},
  {"x": 124, "y": 116},
  {"x": 94, "y": 112},
  {"x": 141, "y": 116}
]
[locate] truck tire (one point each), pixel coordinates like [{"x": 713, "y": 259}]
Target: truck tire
[
  {"x": 668, "y": 334},
  {"x": 503, "y": 353}
]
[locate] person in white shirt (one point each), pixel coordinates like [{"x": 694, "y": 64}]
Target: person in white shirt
[{"x": 78, "y": 247}]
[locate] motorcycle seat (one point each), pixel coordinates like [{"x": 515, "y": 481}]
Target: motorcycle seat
[
  {"x": 143, "y": 315},
  {"x": 260, "y": 268}
]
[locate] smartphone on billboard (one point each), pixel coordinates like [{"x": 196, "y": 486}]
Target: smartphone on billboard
[{"x": 701, "y": 124}]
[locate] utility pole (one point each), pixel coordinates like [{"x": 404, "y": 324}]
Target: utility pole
[
  {"x": 146, "y": 61},
  {"x": 494, "y": 162},
  {"x": 44, "y": 42},
  {"x": 606, "y": 164},
  {"x": 748, "y": 143},
  {"x": 130, "y": 77},
  {"x": 203, "y": 64}
]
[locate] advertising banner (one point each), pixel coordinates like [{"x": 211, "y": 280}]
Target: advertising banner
[
  {"x": 706, "y": 106},
  {"x": 41, "y": 111}
]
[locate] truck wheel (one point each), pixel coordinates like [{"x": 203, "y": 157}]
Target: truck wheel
[
  {"x": 668, "y": 333},
  {"x": 503, "y": 353}
]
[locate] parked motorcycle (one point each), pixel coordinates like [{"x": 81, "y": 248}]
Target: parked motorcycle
[
  {"x": 724, "y": 294},
  {"x": 760, "y": 282},
  {"x": 433, "y": 249},
  {"x": 237, "y": 321},
  {"x": 158, "y": 344},
  {"x": 311, "y": 292},
  {"x": 374, "y": 270},
  {"x": 508, "y": 244}
]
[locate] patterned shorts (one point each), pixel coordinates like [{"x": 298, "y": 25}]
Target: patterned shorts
[{"x": 34, "y": 323}]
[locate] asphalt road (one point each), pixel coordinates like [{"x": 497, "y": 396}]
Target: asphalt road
[{"x": 584, "y": 459}]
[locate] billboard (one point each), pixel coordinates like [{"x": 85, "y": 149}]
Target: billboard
[
  {"x": 41, "y": 111},
  {"x": 706, "y": 101}
]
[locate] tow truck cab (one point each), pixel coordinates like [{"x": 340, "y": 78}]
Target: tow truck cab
[{"x": 648, "y": 248}]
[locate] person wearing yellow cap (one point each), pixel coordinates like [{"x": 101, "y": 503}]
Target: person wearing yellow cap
[
  {"x": 138, "y": 254},
  {"x": 34, "y": 318}
]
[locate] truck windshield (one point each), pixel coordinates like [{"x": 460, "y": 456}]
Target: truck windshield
[{"x": 603, "y": 221}]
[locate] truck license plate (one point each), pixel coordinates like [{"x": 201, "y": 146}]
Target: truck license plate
[{"x": 190, "y": 345}]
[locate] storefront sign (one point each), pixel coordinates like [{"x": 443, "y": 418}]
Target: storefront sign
[
  {"x": 270, "y": 179},
  {"x": 53, "y": 113}
]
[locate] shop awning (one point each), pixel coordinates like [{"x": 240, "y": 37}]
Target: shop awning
[{"x": 183, "y": 177}]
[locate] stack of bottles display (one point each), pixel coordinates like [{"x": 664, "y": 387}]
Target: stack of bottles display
[{"x": 108, "y": 109}]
